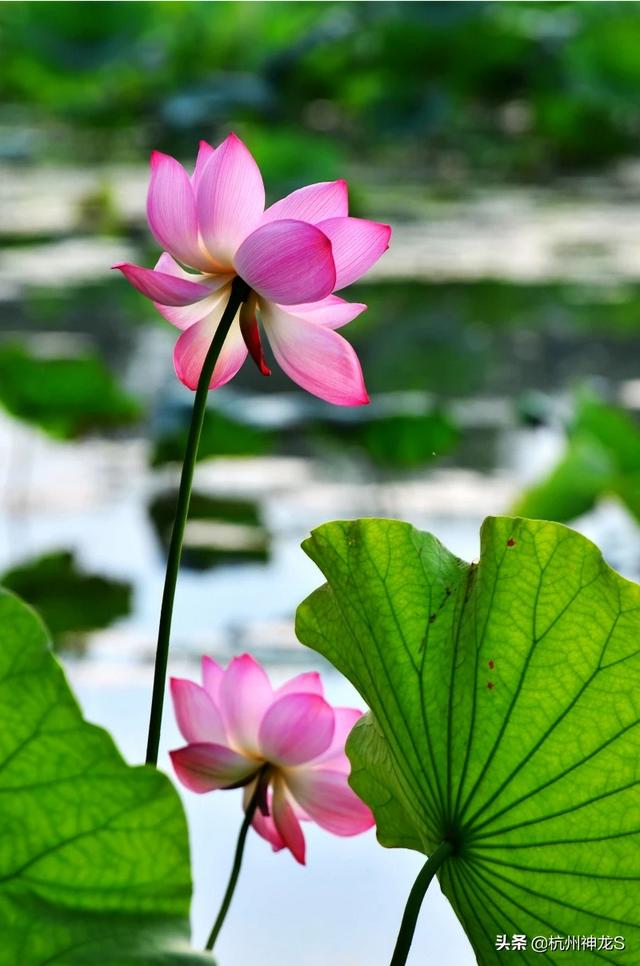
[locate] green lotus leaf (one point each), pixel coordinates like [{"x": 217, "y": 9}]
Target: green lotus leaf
[
  {"x": 585, "y": 473},
  {"x": 67, "y": 397},
  {"x": 602, "y": 458},
  {"x": 505, "y": 713},
  {"x": 70, "y": 601},
  {"x": 94, "y": 857}
]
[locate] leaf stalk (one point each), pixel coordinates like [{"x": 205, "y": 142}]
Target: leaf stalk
[
  {"x": 257, "y": 800},
  {"x": 414, "y": 902}
]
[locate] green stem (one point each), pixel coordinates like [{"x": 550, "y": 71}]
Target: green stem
[
  {"x": 239, "y": 292},
  {"x": 412, "y": 908},
  {"x": 258, "y": 796}
]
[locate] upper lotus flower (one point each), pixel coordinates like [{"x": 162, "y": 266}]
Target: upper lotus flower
[
  {"x": 240, "y": 731},
  {"x": 293, "y": 256}
]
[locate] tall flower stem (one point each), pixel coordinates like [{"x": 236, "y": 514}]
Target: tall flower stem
[
  {"x": 412, "y": 908},
  {"x": 239, "y": 292},
  {"x": 258, "y": 797}
]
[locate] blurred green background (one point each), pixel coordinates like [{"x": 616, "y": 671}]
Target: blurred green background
[
  {"x": 501, "y": 140},
  {"x": 464, "y": 90}
]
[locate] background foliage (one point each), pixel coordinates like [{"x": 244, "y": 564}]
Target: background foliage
[{"x": 508, "y": 89}]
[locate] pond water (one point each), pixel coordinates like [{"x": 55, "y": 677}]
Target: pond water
[{"x": 471, "y": 364}]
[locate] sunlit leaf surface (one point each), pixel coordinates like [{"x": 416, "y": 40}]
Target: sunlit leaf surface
[
  {"x": 505, "y": 713},
  {"x": 94, "y": 859}
]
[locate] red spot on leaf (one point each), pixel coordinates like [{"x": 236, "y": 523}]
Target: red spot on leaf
[
  {"x": 511, "y": 542},
  {"x": 490, "y": 685},
  {"x": 491, "y": 665}
]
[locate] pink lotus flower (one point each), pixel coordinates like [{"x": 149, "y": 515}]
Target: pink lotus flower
[
  {"x": 293, "y": 257},
  {"x": 236, "y": 724}
]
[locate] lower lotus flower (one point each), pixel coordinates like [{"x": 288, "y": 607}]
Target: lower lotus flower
[
  {"x": 292, "y": 258},
  {"x": 284, "y": 746}
]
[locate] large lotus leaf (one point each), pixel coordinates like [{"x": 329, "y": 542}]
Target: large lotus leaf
[
  {"x": 94, "y": 858},
  {"x": 505, "y": 714}
]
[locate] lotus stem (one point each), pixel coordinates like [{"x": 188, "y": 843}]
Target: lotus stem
[
  {"x": 239, "y": 292},
  {"x": 257, "y": 800},
  {"x": 414, "y": 902}
]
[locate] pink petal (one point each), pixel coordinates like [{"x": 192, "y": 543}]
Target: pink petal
[
  {"x": 183, "y": 316},
  {"x": 264, "y": 824},
  {"x": 205, "y": 152},
  {"x": 288, "y": 262},
  {"x": 163, "y": 288},
  {"x": 295, "y": 729},
  {"x": 314, "y": 203},
  {"x": 287, "y": 823},
  {"x": 205, "y": 767},
  {"x": 298, "y": 811},
  {"x": 335, "y": 758},
  {"x": 332, "y": 312},
  {"x": 309, "y": 683},
  {"x": 329, "y": 801},
  {"x": 245, "y": 695},
  {"x": 171, "y": 210},
  {"x": 191, "y": 349},
  {"x": 212, "y": 675},
  {"x": 197, "y": 716},
  {"x": 167, "y": 264},
  {"x": 356, "y": 245},
  {"x": 315, "y": 357},
  {"x": 230, "y": 199}
]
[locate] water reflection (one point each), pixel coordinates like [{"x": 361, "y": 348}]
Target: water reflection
[
  {"x": 218, "y": 531},
  {"x": 71, "y": 602},
  {"x": 222, "y": 435},
  {"x": 66, "y": 394}
]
